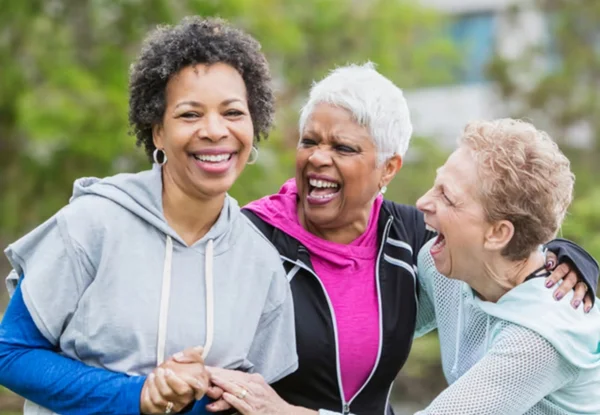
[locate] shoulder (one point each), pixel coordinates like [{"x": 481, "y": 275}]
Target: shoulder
[
  {"x": 526, "y": 347},
  {"x": 89, "y": 219},
  {"x": 409, "y": 225},
  {"x": 255, "y": 241}
]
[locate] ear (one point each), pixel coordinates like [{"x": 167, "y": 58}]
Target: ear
[
  {"x": 157, "y": 136},
  {"x": 498, "y": 235},
  {"x": 390, "y": 167}
]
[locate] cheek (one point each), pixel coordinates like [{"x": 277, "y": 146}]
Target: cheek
[{"x": 244, "y": 132}]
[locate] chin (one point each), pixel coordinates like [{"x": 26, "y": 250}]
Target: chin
[{"x": 216, "y": 189}]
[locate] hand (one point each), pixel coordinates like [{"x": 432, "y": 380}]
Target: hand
[
  {"x": 164, "y": 392},
  {"x": 248, "y": 393},
  {"x": 570, "y": 280},
  {"x": 173, "y": 385}
]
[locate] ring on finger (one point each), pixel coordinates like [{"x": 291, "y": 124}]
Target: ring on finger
[
  {"x": 169, "y": 408},
  {"x": 242, "y": 394}
]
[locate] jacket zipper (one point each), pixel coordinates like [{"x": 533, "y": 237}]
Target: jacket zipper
[
  {"x": 386, "y": 231},
  {"x": 346, "y": 405}
]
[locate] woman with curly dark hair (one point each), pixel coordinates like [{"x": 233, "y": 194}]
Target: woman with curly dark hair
[{"x": 140, "y": 267}]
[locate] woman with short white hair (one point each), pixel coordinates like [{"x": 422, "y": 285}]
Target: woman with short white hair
[{"x": 507, "y": 346}]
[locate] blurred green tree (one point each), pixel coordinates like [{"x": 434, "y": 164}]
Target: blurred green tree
[
  {"x": 556, "y": 83},
  {"x": 63, "y": 89}
]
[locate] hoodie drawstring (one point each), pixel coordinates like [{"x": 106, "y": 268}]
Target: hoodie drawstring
[{"x": 166, "y": 294}]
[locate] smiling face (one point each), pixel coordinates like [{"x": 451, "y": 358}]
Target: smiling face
[
  {"x": 206, "y": 132},
  {"x": 451, "y": 207},
  {"x": 336, "y": 170}
]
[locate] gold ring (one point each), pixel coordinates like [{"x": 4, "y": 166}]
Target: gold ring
[
  {"x": 242, "y": 394},
  {"x": 169, "y": 408}
]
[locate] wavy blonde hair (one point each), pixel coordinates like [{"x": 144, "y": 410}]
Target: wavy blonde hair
[{"x": 523, "y": 178}]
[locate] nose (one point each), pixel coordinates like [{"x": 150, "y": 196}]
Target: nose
[
  {"x": 214, "y": 128},
  {"x": 320, "y": 157},
  {"x": 425, "y": 203}
]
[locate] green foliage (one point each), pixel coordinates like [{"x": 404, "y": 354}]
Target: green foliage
[
  {"x": 63, "y": 89},
  {"x": 564, "y": 98}
]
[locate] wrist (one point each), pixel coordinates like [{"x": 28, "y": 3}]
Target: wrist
[{"x": 298, "y": 410}]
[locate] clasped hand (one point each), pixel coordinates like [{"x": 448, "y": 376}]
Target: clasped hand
[{"x": 176, "y": 383}]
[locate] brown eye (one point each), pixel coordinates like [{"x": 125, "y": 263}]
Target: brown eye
[
  {"x": 345, "y": 149},
  {"x": 307, "y": 142}
]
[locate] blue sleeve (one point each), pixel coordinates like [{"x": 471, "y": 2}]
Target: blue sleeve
[
  {"x": 584, "y": 263},
  {"x": 31, "y": 367}
]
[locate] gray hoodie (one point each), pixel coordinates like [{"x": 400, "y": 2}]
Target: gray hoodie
[{"x": 115, "y": 287}]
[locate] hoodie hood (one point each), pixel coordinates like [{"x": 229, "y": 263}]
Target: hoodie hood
[
  {"x": 141, "y": 194},
  {"x": 573, "y": 333}
]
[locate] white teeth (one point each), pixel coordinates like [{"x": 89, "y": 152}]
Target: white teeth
[
  {"x": 430, "y": 228},
  {"x": 322, "y": 183},
  {"x": 329, "y": 196},
  {"x": 213, "y": 158}
]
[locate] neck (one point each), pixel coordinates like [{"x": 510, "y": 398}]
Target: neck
[
  {"x": 343, "y": 235},
  {"x": 500, "y": 275},
  {"x": 190, "y": 217}
]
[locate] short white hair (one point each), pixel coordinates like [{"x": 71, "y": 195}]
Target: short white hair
[{"x": 374, "y": 101}]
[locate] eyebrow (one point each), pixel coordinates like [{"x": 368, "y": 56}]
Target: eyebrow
[{"x": 199, "y": 104}]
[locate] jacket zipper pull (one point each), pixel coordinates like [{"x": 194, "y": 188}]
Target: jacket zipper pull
[{"x": 346, "y": 408}]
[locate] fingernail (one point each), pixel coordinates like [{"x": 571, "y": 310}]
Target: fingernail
[
  {"x": 178, "y": 355},
  {"x": 199, "y": 348},
  {"x": 151, "y": 376},
  {"x": 160, "y": 371},
  {"x": 549, "y": 283},
  {"x": 169, "y": 372},
  {"x": 587, "y": 309},
  {"x": 558, "y": 296},
  {"x": 576, "y": 303}
]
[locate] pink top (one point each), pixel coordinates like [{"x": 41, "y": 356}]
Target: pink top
[{"x": 348, "y": 275}]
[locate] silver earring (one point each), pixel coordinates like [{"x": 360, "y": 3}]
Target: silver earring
[
  {"x": 383, "y": 190},
  {"x": 155, "y": 156},
  {"x": 253, "y": 155}
]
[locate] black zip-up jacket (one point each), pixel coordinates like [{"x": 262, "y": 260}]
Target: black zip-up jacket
[
  {"x": 316, "y": 384},
  {"x": 401, "y": 234}
]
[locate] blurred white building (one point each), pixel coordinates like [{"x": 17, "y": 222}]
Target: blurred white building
[{"x": 480, "y": 27}]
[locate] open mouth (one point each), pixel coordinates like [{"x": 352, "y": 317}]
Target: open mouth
[
  {"x": 322, "y": 190},
  {"x": 440, "y": 240}
]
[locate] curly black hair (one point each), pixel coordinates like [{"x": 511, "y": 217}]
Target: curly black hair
[{"x": 168, "y": 49}]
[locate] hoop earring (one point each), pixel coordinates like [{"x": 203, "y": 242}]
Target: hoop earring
[
  {"x": 253, "y": 155},
  {"x": 383, "y": 190},
  {"x": 155, "y": 156}
]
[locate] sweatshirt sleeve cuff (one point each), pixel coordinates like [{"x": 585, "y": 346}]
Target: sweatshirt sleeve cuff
[
  {"x": 131, "y": 393},
  {"x": 584, "y": 263}
]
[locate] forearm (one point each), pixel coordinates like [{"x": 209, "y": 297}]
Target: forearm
[{"x": 30, "y": 367}]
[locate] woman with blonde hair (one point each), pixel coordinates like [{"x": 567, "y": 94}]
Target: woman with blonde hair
[{"x": 507, "y": 346}]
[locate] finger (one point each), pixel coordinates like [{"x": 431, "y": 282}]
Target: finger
[
  {"x": 155, "y": 396},
  {"x": 551, "y": 260},
  {"x": 225, "y": 385},
  {"x": 588, "y": 302},
  {"x": 190, "y": 355},
  {"x": 163, "y": 386},
  {"x": 177, "y": 384},
  {"x": 214, "y": 392},
  {"x": 241, "y": 405},
  {"x": 568, "y": 283},
  {"x": 218, "y": 406},
  {"x": 580, "y": 290},
  {"x": 146, "y": 404},
  {"x": 557, "y": 275}
]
